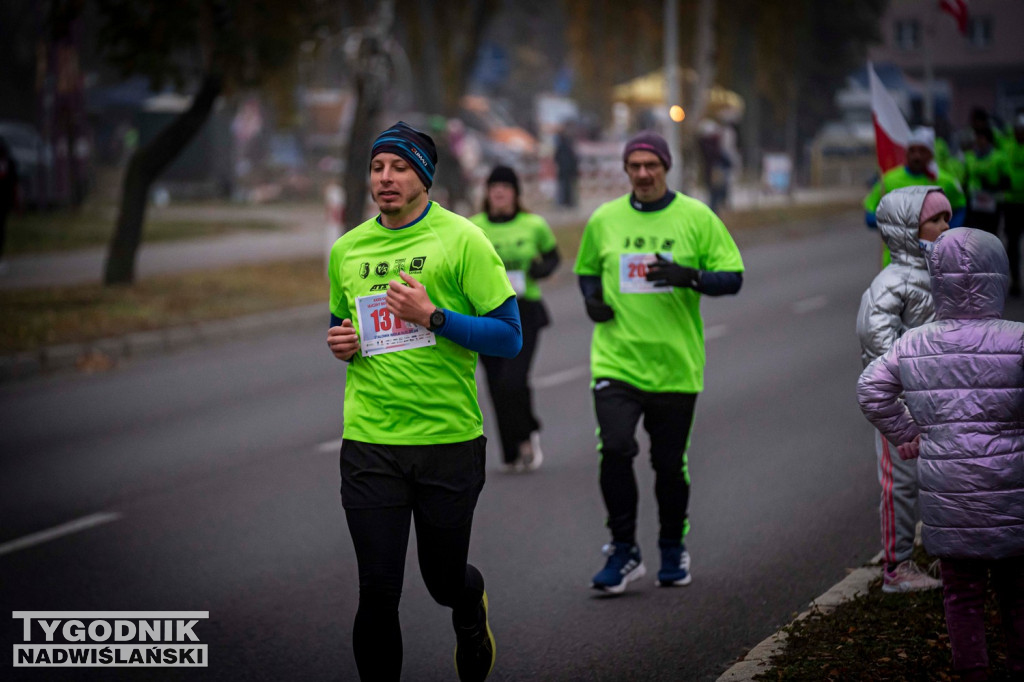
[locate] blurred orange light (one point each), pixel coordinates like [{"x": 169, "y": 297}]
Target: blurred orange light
[{"x": 676, "y": 113}]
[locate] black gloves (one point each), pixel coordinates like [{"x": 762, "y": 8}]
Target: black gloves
[
  {"x": 540, "y": 269},
  {"x": 597, "y": 309},
  {"x": 665, "y": 273}
]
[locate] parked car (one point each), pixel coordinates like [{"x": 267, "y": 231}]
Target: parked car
[{"x": 35, "y": 162}]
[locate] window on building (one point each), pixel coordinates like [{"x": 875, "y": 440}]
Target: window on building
[
  {"x": 908, "y": 34},
  {"x": 979, "y": 31}
]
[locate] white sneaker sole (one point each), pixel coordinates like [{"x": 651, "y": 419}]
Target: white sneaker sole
[
  {"x": 675, "y": 583},
  {"x": 534, "y": 463},
  {"x": 639, "y": 572},
  {"x": 902, "y": 588}
]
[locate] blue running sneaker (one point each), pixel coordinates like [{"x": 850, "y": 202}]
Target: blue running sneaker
[
  {"x": 474, "y": 648},
  {"x": 675, "y": 564},
  {"x": 623, "y": 566}
]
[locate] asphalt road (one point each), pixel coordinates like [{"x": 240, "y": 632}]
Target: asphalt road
[{"x": 217, "y": 471}]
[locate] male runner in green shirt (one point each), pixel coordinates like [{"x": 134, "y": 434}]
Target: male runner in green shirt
[
  {"x": 416, "y": 293},
  {"x": 916, "y": 171},
  {"x": 644, "y": 261}
]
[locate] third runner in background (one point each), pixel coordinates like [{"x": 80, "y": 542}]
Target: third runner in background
[{"x": 526, "y": 245}]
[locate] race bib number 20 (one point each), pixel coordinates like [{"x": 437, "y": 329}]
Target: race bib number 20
[
  {"x": 633, "y": 274},
  {"x": 382, "y": 332}
]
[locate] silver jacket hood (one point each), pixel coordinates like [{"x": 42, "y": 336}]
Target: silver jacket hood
[{"x": 899, "y": 297}]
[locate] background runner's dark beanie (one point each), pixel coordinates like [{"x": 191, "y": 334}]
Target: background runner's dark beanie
[
  {"x": 415, "y": 147},
  {"x": 506, "y": 175},
  {"x": 649, "y": 141}
]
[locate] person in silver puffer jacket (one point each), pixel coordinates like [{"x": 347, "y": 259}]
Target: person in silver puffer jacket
[
  {"x": 899, "y": 299},
  {"x": 961, "y": 379}
]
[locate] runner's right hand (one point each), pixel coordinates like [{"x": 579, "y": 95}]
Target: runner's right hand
[
  {"x": 598, "y": 310},
  {"x": 343, "y": 340}
]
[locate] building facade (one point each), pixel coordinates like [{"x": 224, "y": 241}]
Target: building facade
[{"x": 984, "y": 67}]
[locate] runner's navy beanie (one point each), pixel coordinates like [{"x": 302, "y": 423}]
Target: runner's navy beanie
[
  {"x": 649, "y": 141},
  {"x": 415, "y": 147}
]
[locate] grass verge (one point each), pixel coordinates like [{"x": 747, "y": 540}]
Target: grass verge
[
  {"x": 74, "y": 314},
  {"x": 65, "y": 229},
  {"x": 878, "y": 636}
]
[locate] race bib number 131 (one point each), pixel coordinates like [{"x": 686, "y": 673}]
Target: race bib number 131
[{"x": 382, "y": 332}]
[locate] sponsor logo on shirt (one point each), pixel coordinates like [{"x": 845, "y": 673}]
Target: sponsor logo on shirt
[
  {"x": 364, "y": 270},
  {"x": 416, "y": 264},
  {"x": 641, "y": 242},
  {"x": 379, "y": 287},
  {"x": 382, "y": 269}
]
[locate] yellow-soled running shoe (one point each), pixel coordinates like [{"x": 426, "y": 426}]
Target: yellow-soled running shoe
[{"x": 474, "y": 649}]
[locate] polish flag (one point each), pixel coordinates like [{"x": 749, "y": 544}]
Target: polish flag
[
  {"x": 958, "y": 10},
  {"x": 891, "y": 130}
]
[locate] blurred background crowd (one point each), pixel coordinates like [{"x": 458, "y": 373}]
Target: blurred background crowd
[{"x": 275, "y": 100}]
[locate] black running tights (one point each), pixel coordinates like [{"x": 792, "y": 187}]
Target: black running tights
[{"x": 381, "y": 538}]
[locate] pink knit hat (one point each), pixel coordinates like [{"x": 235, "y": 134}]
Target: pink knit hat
[{"x": 935, "y": 202}]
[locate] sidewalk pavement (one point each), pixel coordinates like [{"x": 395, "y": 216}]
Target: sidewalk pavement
[{"x": 305, "y": 234}]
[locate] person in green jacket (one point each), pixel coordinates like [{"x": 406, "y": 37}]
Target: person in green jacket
[
  {"x": 1013, "y": 211},
  {"x": 916, "y": 171},
  {"x": 526, "y": 245},
  {"x": 955, "y": 164},
  {"x": 986, "y": 179}
]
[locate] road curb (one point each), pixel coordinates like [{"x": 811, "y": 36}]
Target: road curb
[
  {"x": 106, "y": 353},
  {"x": 757, "y": 660}
]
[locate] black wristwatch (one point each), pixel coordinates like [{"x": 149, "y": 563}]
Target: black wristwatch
[{"x": 436, "y": 320}]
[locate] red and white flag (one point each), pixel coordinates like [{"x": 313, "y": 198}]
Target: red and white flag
[
  {"x": 958, "y": 10},
  {"x": 891, "y": 130}
]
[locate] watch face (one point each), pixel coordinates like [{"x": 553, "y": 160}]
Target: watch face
[{"x": 436, "y": 319}]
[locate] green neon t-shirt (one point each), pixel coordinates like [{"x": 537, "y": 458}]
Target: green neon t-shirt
[
  {"x": 519, "y": 242},
  {"x": 1014, "y": 157},
  {"x": 900, "y": 177},
  {"x": 426, "y": 395},
  {"x": 655, "y": 342},
  {"x": 984, "y": 172}
]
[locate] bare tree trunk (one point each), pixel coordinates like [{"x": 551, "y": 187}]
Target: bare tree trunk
[
  {"x": 431, "y": 68},
  {"x": 467, "y": 47},
  {"x": 792, "y": 131},
  {"x": 145, "y": 166},
  {"x": 371, "y": 69},
  {"x": 703, "y": 61},
  {"x": 747, "y": 86}
]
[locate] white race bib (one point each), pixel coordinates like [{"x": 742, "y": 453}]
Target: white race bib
[
  {"x": 633, "y": 273},
  {"x": 517, "y": 278},
  {"x": 382, "y": 332}
]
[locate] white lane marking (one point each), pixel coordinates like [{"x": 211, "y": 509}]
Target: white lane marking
[
  {"x": 563, "y": 377},
  {"x": 809, "y": 304},
  {"x": 68, "y": 528},
  {"x": 330, "y": 446},
  {"x": 715, "y": 331}
]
